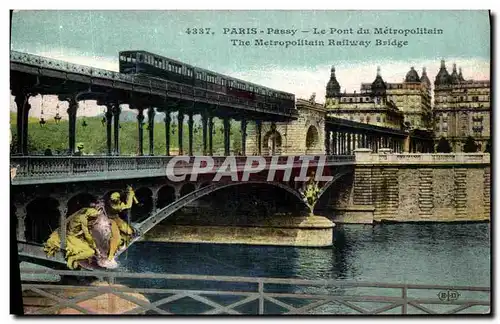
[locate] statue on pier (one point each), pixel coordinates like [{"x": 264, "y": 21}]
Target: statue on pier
[
  {"x": 121, "y": 232},
  {"x": 93, "y": 235},
  {"x": 312, "y": 98},
  {"x": 80, "y": 241},
  {"x": 310, "y": 193}
]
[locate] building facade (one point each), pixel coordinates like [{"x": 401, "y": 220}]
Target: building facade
[
  {"x": 412, "y": 97},
  {"x": 461, "y": 109},
  {"x": 372, "y": 107}
]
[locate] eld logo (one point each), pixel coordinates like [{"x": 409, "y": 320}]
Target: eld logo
[{"x": 449, "y": 295}]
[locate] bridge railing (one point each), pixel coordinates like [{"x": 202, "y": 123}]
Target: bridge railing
[
  {"x": 34, "y": 169},
  {"x": 159, "y": 293},
  {"x": 365, "y": 156}
]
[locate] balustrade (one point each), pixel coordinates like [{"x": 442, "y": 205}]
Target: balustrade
[
  {"x": 422, "y": 158},
  {"x": 41, "y": 169}
]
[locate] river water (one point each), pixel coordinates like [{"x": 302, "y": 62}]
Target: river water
[{"x": 439, "y": 254}]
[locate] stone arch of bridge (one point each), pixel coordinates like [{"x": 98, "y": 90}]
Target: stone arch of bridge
[
  {"x": 345, "y": 172},
  {"x": 144, "y": 208},
  {"x": 187, "y": 188},
  {"x": 163, "y": 213},
  {"x": 78, "y": 201},
  {"x": 272, "y": 143},
  {"x": 165, "y": 196},
  {"x": 312, "y": 139},
  {"x": 42, "y": 218}
]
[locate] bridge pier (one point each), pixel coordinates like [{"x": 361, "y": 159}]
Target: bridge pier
[
  {"x": 180, "y": 127},
  {"x": 210, "y": 135},
  {"x": 20, "y": 214},
  {"x": 116, "y": 124},
  {"x": 23, "y": 107},
  {"x": 190, "y": 133},
  {"x": 258, "y": 125},
  {"x": 140, "y": 124},
  {"x": 327, "y": 142},
  {"x": 72, "y": 109},
  {"x": 204, "y": 121},
  {"x": 167, "y": 120},
  {"x": 63, "y": 210},
  {"x": 227, "y": 136},
  {"x": 151, "y": 124},
  {"x": 243, "y": 136},
  {"x": 108, "y": 116}
]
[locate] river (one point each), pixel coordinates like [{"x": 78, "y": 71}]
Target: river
[{"x": 434, "y": 253}]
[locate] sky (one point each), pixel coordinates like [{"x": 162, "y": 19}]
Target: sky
[{"x": 95, "y": 37}]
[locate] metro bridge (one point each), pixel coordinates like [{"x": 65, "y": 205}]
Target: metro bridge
[
  {"x": 57, "y": 186},
  {"x": 57, "y": 175},
  {"x": 32, "y": 75}
]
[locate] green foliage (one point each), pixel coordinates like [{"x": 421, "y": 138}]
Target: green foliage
[
  {"x": 443, "y": 146},
  {"x": 93, "y": 136},
  {"x": 470, "y": 145}
]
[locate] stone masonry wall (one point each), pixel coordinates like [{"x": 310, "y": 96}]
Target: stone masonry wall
[
  {"x": 417, "y": 193},
  {"x": 293, "y": 134}
]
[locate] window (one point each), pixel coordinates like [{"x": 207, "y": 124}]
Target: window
[
  {"x": 378, "y": 119},
  {"x": 350, "y": 99},
  {"x": 362, "y": 119},
  {"x": 367, "y": 119},
  {"x": 211, "y": 78},
  {"x": 141, "y": 57},
  {"x": 475, "y": 98}
]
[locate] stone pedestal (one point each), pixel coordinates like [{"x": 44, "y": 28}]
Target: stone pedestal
[{"x": 310, "y": 231}]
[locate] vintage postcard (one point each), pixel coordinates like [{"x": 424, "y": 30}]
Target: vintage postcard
[{"x": 312, "y": 162}]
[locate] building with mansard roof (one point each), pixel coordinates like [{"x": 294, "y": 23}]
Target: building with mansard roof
[
  {"x": 412, "y": 97},
  {"x": 374, "y": 107},
  {"x": 461, "y": 108}
]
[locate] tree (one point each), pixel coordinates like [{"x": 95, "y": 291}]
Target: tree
[
  {"x": 470, "y": 145},
  {"x": 488, "y": 147},
  {"x": 443, "y": 146}
]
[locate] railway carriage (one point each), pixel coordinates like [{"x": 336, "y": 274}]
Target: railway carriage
[{"x": 147, "y": 64}]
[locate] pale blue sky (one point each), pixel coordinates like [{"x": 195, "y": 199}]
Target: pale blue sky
[
  {"x": 95, "y": 37},
  {"x": 105, "y": 33}
]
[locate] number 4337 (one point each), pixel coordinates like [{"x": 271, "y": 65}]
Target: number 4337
[{"x": 199, "y": 31}]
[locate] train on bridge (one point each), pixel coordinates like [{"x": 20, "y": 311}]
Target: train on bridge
[{"x": 143, "y": 63}]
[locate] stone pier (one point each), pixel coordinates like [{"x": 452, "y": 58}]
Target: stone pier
[
  {"x": 416, "y": 187},
  {"x": 307, "y": 231}
]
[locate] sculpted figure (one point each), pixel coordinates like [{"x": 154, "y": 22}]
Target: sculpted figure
[
  {"x": 121, "y": 232},
  {"x": 80, "y": 244},
  {"x": 310, "y": 193}
]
